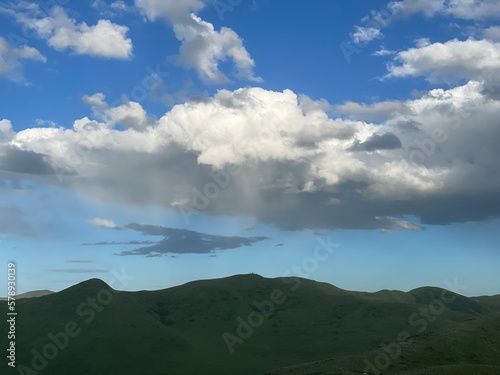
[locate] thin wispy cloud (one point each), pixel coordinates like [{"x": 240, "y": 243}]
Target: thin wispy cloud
[
  {"x": 104, "y": 223},
  {"x": 78, "y": 270},
  {"x": 116, "y": 243}
]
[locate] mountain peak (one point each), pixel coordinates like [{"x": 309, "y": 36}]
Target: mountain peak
[{"x": 90, "y": 284}]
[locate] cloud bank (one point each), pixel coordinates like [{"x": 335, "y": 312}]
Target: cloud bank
[{"x": 283, "y": 159}]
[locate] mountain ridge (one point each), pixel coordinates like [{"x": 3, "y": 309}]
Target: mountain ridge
[
  {"x": 245, "y": 324},
  {"x": 96, "y": 282}
]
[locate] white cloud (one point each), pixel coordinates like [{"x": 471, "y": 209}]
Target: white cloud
[
  {"x": 104, "y": 39},
  {"x": 410, "y": 7},
  {"x": 129, "y": 114},
  {"x": 202, "y": 47},
  {"x": 10, "y": 59},
  {"x": 460, "y": 9},
  {"x": 173, "y": 10},
  {"x": 383, "y": 52},
  {"x": 291, "y": 158},
  {"x": 402, "y": 224},
  {"x": 6, "y": 132},
  {"x": 473, "y": 9},
  {"x": 104, "y": 223},
  {"x": 492, "y": 33},
  {"x": 437, "y": 62},
  {"x": 365, "y": 34}
]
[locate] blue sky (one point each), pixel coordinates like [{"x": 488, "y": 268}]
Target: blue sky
[{"x": 177, "y": 141}]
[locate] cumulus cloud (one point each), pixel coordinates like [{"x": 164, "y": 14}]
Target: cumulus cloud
[
  {"x": 281, "y": 158},
  {"x": 372, "y": 25},
  {"x": 128, "y": 114},
  {"x": 10, "y": 60},
  {"x": 202, "y": 47},
  {"x": 104, "y": 223},
  {"x": 469, "y": 59},
  {"x": 183, "y": 241},
  {"x": 104, "y": 39}
]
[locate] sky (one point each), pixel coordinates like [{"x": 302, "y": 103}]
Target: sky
[{"x": 150, "y": 143}]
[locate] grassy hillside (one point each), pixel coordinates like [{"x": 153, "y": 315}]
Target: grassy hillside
[
  {"x": 245, "y": 324},
  {"x": 33, "y": 294},
  {"x": 471, "y": 347}
]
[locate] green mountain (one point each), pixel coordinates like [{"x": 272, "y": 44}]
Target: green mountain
[
  {"x": 471, "y": 347},
  {"x": 247, "y": 324}
]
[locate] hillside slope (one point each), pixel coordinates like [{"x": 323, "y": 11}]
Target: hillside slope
[
  {"x": 471, "y": 347},
  {"x": 244, "y": 324}
]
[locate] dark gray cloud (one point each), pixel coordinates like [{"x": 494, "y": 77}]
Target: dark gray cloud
[
  {"x": 26, "y": 162},
  {"x": 387, "y": 141},
  {"x": 184, "y": 241}
]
